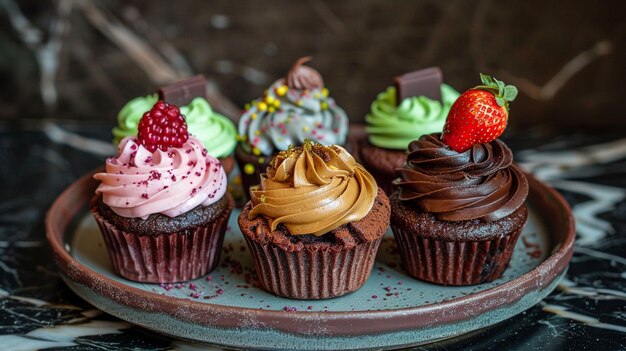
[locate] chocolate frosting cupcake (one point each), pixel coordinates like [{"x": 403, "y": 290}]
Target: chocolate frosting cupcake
[
  {"x": 480, "y": 183},
  {"x": 457, "y": 215}
]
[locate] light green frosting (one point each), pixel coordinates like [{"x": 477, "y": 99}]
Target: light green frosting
[
  {"x": 393, "y": 126},
  {"x": 217, "y": 133}
]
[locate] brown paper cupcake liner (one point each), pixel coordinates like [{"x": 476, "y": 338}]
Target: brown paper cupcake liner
[
  {"x": 168, "y": 257},
  {"x": 318, "y": 274},
  {"x": 454, "y": 263}
]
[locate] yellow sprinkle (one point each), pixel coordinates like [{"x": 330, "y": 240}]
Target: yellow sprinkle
[
  {"x": 256, "y": 151},
  {"x": 325, "y": 91},
  {"x": 299, "y": 102},
  {"x": 257, "y": 132},
  {"x": 241, "y": 138},
  {"x": 269, "y": 99},
  {"x": 316, "y": 95},
  {"x": 249, "y": 168},
  {"x": 277, "y": 103},
  {"x": 305, "y": 129},
  {"x": 282, "y": 90},
  {"x": 247, "y": 106},
  {"x": 271, "y": 109},
  {"x": 261, "y": 160},
  {"x": 253, "y": 116},
  {"x": 262, "y": 106},
  {"x": 324, "y": 105}
]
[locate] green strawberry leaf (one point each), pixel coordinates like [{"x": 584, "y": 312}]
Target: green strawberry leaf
[
  {"x": 487, "y": 80},
  {"x": 500, "y": 85},
  {"x": 500, "y": 101},
  {"x": 510, "y": 92}
]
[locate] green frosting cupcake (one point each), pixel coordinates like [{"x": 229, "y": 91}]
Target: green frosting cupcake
[
  {"x": 217, "y": 133},
  {"x": 393, "y": 126}
]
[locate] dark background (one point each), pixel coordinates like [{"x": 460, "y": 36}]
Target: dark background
[{"x": 84, "y": 59}]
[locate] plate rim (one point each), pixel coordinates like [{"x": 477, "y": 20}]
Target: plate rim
[{"x": 311, "y": 322}]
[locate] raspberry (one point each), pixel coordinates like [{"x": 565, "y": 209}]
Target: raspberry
[{"x": 162, "y": 127}]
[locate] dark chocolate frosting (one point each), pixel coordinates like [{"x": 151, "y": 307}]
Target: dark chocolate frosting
[{"x": 480, "y": 183}]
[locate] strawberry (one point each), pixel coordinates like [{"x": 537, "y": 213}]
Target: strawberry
[{"x": 479, "y": 115}]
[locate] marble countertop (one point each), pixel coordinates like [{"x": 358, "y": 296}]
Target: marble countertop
[{"x": 586, "y": 312}]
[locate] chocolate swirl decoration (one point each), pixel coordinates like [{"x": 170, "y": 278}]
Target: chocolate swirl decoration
[
  {"x": 313, "y": 189},
  {"x": 480, "y": 183},
  {"x": 304, "y": 77}
]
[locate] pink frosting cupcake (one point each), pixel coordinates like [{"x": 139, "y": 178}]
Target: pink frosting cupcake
[{"x": 162, "y": 204}]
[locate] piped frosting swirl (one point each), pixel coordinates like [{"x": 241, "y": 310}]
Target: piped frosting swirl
[
  {"x": 480, "y": 183},
  {"x": 217, "y": 133},
  {"x": 313, "y": 189},
  {"x": 138, "y": 183},
  {"x": 292, "y": 109},
  {"x": 394, "y": 124}
]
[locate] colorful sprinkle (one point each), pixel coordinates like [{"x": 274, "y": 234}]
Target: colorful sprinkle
[
  {"x": 249, "y": 168},
  {"x": 282, "y": 90}
]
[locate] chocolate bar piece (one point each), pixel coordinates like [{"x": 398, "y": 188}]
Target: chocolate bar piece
[
  {"x": 181, "y": 93},
  {"x": 426, "y": 82}
]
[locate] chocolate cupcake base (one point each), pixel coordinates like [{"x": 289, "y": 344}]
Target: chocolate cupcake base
[
  {"x": 382, "y": 164},
  {"x": 228, "y": 163},
  {"x": 318, "y": 274},
  {"x": 165, "y": 257},
  {"x": 316, "y": 267},
  {"x": 250, "y": 168},
  {"x": 454, "y": 263},
  {"x": 454, "y": 253}
]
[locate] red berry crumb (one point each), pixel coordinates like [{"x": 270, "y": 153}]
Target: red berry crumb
[{"x": 162, "y": 127}]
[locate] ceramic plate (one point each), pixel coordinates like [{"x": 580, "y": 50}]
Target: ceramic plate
[{"x": 391, "y": 310}]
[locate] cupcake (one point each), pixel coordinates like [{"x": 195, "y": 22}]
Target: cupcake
[
  {"x": 459, "y": 207},
  {"x": 292, "y": 109},
  {"x": 162, "y": 205},
  {"x": 216, "y": 132},
  {"x": 314, "y": 223},
  {"x": 417, "y": 105}
]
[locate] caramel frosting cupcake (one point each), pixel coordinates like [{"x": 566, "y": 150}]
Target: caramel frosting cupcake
[{"x": 314, "y": 223}]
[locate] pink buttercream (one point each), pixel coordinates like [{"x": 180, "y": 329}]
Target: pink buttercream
[{"x": 138, "y": 183}]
